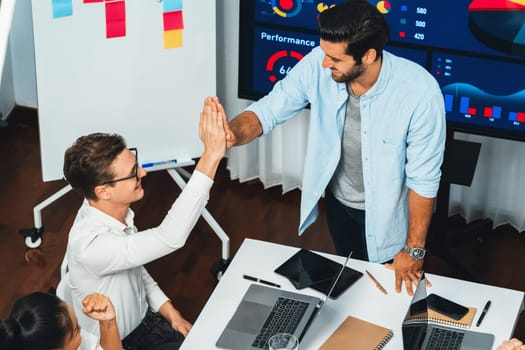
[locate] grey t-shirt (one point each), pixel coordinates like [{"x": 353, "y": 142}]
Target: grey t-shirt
[{"x": 347, "y": 182}]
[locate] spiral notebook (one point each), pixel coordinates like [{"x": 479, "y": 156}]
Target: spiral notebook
[
  {"x": 358, "y": 334},
  {"x": 464, "y": 322},
  {"x": 423, "y": 327},
  {"x": 436, "y": 317}
]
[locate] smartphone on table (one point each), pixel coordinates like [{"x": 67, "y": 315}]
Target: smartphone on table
[{"x": 446, "y": 307}]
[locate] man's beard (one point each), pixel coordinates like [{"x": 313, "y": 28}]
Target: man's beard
[{"x": 353, "y": 74}]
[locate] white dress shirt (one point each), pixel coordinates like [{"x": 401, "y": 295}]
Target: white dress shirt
[
  {"x": 103, "y": 255},
  {"x": 88, "y": 341}
]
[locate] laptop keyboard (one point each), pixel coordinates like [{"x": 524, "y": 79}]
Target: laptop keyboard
[
  {"x": 284, "y": 318},
  {"x": 444, "y": 339}
]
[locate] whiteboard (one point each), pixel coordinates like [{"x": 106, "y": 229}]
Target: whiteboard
[{"x": 129, "y": 85}]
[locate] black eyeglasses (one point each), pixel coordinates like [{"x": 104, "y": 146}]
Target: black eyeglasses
[{"x": 135, "y": 169}]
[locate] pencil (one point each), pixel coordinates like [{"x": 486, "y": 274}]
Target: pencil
[{"x": 378, "y": 285}]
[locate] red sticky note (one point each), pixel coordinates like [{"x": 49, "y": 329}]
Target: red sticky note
[
  {"x": 88, "y": 1},
  {"x": 173, "y": 20},
  {"x": 115, "y": 19}
]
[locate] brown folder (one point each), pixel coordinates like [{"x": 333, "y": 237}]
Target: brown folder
[{"x": 357, "y": 334}]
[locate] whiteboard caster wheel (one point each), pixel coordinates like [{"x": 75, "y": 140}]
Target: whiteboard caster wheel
[
  {"x": 33, "y": 244},
  {"x": 219, "y": 268}
]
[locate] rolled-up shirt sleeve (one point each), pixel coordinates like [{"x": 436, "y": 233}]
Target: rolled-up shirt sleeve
[{"x": 425, "y": 146}]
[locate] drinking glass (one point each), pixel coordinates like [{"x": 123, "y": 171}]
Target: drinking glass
[{"x": 283, "y": 341}]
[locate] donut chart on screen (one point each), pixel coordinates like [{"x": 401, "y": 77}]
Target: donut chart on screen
[
  {"x": 279, "y": 55},
  {"x": 499, "y": 24},
  {"x": 286, "y": 8}
]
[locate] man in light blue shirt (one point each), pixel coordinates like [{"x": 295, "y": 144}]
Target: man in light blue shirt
[{"x": 375, "y": 142}]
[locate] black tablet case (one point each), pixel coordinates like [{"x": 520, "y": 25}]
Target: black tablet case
[{"x": 308, "y": 269}]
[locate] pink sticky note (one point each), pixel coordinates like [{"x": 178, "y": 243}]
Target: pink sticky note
[
  {"x": 115, "y": 19},
  {"x": 173, "y": 20}
]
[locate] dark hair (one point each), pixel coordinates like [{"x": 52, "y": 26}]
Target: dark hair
[
  {"x": 358, "y": 24},
  {"x": 38, "y": 321},
  {"x": 87, "y": 162}
]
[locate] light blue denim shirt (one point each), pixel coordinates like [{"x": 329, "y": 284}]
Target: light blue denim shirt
[{"x": 402, "y": 134}]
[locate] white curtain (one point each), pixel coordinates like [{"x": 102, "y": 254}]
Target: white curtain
[
  {"x": 498, "y": 190},
  {"x": 264, "y": 158}
]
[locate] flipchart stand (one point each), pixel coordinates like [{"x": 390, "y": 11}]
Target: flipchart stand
[{"x": 33, "y": 237}]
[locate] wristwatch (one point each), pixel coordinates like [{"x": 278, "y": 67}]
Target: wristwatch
[{"x": 415, "y": 253}]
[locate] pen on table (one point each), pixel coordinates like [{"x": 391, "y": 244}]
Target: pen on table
[
  {"x": 378, "y": 285},
  {"x": 483, "y": 313},
  {"x": 255, "y": 279},
  {"x": 152, "y": 164}
]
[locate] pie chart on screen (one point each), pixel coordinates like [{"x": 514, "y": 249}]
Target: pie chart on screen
[
  {"x": 384, "y": 7},
  {"x": 499, "y": 24}
]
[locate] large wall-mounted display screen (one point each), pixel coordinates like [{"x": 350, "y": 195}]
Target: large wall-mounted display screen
[{"x": 474, "y": 48}]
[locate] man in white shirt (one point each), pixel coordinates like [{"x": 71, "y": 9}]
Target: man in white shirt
[{"x": 105, "y": 251}]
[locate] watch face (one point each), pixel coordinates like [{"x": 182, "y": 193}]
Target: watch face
[{"x": 418, "y": 253}]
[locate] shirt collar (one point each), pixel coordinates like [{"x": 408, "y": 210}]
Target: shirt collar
[
  {"x": 384, "y": 75},
  {"x": 106, "y": 219}
]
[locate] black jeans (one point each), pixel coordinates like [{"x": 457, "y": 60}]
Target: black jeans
[
  {"x": 153, "y": 333},
  {"x": 347, "y": 227}
]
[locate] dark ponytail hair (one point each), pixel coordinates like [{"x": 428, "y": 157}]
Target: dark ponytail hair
[{"x": 38, "y": 321}]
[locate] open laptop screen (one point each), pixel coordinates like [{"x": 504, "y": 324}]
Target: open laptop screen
[
  {"x": 419, "y": 332},
  {"x": 415, "y": 324}
]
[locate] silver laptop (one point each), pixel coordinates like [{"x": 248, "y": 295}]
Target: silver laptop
[
  {"x": 423, "y": 334},
  {"x": 265, "y": 311}
]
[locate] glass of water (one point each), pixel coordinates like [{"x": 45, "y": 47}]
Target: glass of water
[{"x": 283, "y": 341}]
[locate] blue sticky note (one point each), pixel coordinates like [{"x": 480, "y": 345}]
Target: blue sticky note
[
  {"x": 62, "y": 8},
  {"x": 171, "y": 5}
]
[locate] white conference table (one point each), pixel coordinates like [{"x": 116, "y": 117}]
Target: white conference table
[{"x": 362, "y": 299}]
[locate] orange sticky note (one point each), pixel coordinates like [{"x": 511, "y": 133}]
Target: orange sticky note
[{"x": 172, "y": 39}]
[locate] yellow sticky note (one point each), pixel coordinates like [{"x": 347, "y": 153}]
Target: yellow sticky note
[{"x": 172, "y": 39}]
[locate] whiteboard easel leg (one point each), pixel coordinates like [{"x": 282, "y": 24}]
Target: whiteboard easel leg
[
  {"x": 174, "y": 173},
  {"x": 33, "y": 237}
]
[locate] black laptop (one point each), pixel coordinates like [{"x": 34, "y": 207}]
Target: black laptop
[{"x": 420, "y": 333}]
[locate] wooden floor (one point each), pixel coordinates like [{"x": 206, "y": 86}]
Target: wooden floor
[{"x": 242, "y": 210}]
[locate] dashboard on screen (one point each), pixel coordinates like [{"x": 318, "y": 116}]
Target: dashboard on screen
[{"x": 474, "y": 48}]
